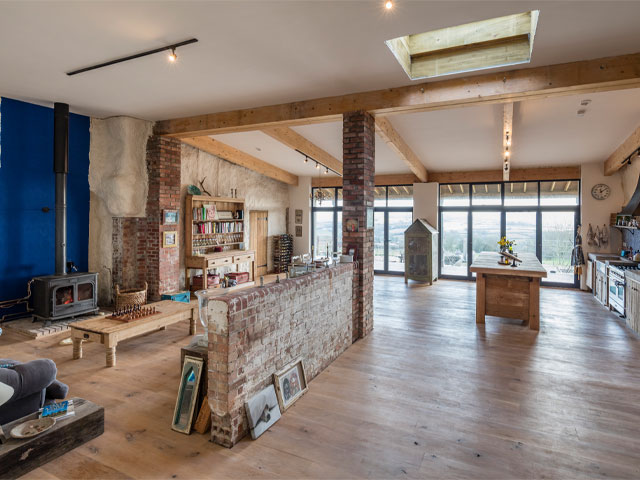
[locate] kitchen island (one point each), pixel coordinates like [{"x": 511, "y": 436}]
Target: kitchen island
[{"x": 506, "y": 291}]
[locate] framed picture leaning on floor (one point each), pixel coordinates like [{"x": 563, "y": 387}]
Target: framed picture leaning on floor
[{"x": 291, "y": 384}]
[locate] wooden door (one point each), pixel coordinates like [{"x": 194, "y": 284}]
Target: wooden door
[{"x": 258, "y": 239}]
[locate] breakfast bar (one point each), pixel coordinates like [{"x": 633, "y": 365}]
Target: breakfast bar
[{"x": 507, "y": 291}]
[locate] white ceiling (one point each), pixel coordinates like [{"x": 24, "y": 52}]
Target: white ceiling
[{"x": 254, "y": 53}]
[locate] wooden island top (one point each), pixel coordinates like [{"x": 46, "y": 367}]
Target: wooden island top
[
  {"x": 487, "y": 262},
  {"x": 506, "y": 291}
]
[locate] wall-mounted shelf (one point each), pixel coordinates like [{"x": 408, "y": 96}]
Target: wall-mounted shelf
[{"x": 623, "y": 227}]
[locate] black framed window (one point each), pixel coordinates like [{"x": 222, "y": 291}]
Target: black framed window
[
  {"x": 541, "y": 216},
  {"x": 393, "y": 212}
]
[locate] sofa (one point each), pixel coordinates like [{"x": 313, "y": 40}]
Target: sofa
[{"x": 34, "y": 385}]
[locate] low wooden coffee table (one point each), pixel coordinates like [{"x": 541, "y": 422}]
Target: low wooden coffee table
[{"x": 109, "y": 331}]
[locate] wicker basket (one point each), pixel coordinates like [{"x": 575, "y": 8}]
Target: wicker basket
[{"x": 130, "y": 297}]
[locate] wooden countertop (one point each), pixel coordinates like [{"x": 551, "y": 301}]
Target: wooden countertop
[
  {"x": 227, "y": 253},
  {"x": 487, "y": 262}
]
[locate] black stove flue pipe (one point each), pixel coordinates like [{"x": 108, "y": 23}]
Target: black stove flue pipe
[{"x": 61, "y": 168}]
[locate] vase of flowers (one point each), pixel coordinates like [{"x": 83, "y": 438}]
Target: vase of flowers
[{"x": 506, "y": 245}]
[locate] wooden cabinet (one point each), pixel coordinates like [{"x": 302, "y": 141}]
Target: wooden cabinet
[
  {"x": 421, "y": 252},
  {"x": 632, "y": 303},
  {"x": 600, "y": 286},
  {"x": 589, "y": 281}
]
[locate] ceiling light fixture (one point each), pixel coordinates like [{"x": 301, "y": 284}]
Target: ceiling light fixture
[
  {"x": 171, "y": 47},
  {"x": 388, "y": 4},
  {"x": 318, "y": 164}
]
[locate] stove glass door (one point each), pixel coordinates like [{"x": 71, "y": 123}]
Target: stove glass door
[
  {"x": 85, "y": 291},
  {"x": 64, "y": 295}
]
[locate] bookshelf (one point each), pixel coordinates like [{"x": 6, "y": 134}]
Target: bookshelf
[
  {"x": 215, "y": 236},
  {"x": 208, "y": 226}
]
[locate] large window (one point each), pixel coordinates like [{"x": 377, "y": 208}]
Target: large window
[
  {"x": 540, "y": 216},
  {"x": 393, "y": 212}
]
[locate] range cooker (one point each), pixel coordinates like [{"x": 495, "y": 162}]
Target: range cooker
[{"x": 617, "y": 284}]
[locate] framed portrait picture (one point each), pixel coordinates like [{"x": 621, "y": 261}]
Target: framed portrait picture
[
  {"x": 170, "y": 217},
  {"x": 291, "y": 384},
  {"x": 352, "y": 250},
  {"x": 352, "y": 225},
  {"x": 298, "y": 230},
  {"x": 298, "y": 217},
  {"x": 263, "y": 410},
  {"x": 170, "y": 239}
]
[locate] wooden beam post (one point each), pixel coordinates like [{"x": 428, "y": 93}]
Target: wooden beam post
[
  {"x": 626, "y": 148},
  {"x": 397, "y": 144},
  {"x": 233, "y": 155},
  {"x": 294, "y": 140}
]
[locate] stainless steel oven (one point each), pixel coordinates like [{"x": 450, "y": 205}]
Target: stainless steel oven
[{"x": 616, "y": 289}]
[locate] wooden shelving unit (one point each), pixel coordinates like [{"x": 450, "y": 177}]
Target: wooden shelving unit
[{"x": 223, "y": 242}]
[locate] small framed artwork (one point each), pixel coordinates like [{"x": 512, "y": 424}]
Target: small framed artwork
[
  {"x": 170, "y": 239},
  {"x": 291, "y": 384},
  {"x": 187, "y": 394},
  {"x": 263, "y": 410},
  {"x": 353, "y": 251},
  {"x": 298, "y": 217},
  {"x": 298, "y": 230},
  {"x": 369, "y": 218},
  {"x": 352, "y": 225},
  {"x": 170, "y": 217}
]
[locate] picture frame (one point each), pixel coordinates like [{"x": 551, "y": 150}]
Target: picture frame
[
  {"x": 298, "y": 217},
  {"x": 298, "y": 230},
  {"x": 290, "y": 384},
  {"x": 352, "y": 250},
  {"x": 369, "y": 218},
  {"x": 263, "y": 410},
  {"x": 187, "y": 394},
  {"x": 170, "y": 239},
  {"x": 352, "y": 225},
  {"x": 170, "y": 217}
]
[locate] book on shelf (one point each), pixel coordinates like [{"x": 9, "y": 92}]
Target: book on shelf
[
  {"x": 217, "y": 227},
  {"x": 205, "y": 212},
  {"x": 58, "y": 410}
]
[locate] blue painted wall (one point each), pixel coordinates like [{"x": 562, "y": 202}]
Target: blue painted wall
[{"x": 27, "y": 185}]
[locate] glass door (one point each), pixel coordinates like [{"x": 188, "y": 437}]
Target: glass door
[
  {"x": 454, "y": 229},
  {"x": 522, "y": 227},
  {"x": 397, "y": 223},
  {"x": 485, "y": 232},
  {"x": 379, "y": 243},
  {"x": 558, "y": 234}
]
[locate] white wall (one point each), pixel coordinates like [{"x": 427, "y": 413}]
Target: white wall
[
  {"x": 598, "y": 212},
  {"x": 300, "y": 199},
  {"x": 425, "y": 202}
]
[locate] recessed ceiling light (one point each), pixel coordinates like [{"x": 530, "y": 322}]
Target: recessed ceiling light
[
  {"x": 585, "y": 102},
  {"x": 388, "y": 4},
  {"x": 581, "y": 112},
  {"x": 258, "y": 149}
]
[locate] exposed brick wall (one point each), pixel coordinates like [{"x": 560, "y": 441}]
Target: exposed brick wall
[
  {"x": 358, "y": 147},
  {"x": 138, "y": 255},
  {"x": 254, "y": 333}
]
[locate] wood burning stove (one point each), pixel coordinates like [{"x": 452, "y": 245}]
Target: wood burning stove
[{"x": 64, "y": 294}]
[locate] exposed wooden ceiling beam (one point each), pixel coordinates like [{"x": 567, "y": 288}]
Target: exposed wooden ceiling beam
[
  {"x": 517, "y": 175},
  {"x": 553, "y": 186},
  {"x": 587, "y": 76},
  {"x": 566, "y": 187},
  {"x": 294, "y": 140},
  {"x": 616, "y": 160},
  {"x": 398, "y": 145},
  {"x": 380, "y": 180},
  {"x": 233, "y": 155}
]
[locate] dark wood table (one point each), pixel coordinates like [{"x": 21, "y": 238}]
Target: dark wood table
[{"x": 19, "y": 456}]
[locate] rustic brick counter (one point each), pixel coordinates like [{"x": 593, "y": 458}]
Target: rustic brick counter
[{"x": 253, "y": 333}]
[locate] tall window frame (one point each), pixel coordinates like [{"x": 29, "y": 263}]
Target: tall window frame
[
  {"x": 336, "y": 210},
  {"x": 503, "y": 209}
]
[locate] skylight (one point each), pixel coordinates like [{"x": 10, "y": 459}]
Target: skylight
[{"x": 492, "y": 43}]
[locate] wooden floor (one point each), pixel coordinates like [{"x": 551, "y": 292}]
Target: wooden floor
[{"x": 427, "y": 395}]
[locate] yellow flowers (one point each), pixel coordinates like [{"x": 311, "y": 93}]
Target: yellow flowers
[{"x": 504, "y": 243}]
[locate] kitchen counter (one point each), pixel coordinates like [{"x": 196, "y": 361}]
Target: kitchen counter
[{"x": 506, "y": 291}]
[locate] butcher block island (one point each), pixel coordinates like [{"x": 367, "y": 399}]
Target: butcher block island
[{"x": 506, "y": 291}]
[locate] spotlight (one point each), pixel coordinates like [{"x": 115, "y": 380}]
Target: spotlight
[
  {"x": 173, "y": 56},
  {"x": 306, "y": 159},
  {"x": 388, "y": 4},
  {"x": 326, "y": 171},
  {"x": 317, "y": 165}
]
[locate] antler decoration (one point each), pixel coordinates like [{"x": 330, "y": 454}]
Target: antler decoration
[{"x": 204, "y": 190}]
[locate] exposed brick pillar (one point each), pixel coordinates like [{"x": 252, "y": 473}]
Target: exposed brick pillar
[
  {"x": 158, "y": 266},
  {"x": 358, "y": 147}
]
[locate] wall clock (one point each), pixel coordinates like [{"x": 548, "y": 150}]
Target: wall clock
[{"x": 600, "y": 191}]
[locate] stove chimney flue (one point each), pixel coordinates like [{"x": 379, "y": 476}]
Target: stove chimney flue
[{"x": 61, "y": 168}]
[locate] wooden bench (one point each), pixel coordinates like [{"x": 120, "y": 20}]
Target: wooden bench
[
  {"x": 109, "y": 332},
  {"x": 21, "y": 455}
]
